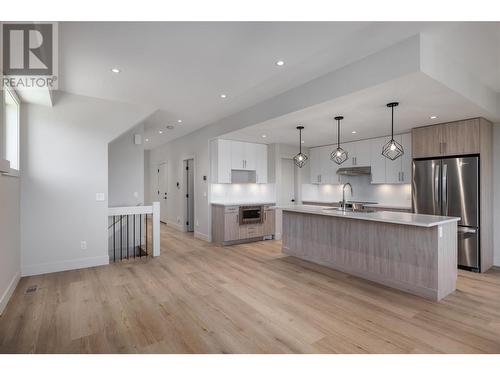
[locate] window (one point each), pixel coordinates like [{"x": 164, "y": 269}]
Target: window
[{"x": 11, "y": 128}]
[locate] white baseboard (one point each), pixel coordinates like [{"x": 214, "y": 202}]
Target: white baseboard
[
  {"x": 174, "y": 225},
  {"x": 38, "y": 269},
  {"x": 4, "y": 299},
  {"x": 201, "y": 236}
]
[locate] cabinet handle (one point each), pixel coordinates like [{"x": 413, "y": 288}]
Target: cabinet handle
[
  {"x": 402, "y": 176},
  {"x": 238, "y": 218}
]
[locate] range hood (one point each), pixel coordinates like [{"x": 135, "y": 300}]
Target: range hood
[{"x": 354, "y": 171}]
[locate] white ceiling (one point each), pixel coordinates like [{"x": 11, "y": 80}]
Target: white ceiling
[
  {"x": 366, "y": 113},
  {"x": 180, "y": 68}
]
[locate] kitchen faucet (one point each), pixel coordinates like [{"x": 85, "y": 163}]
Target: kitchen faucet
[{"x": 343, "y": 194}]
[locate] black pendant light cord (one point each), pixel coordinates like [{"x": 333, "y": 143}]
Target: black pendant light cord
[
  {"x": 300, "y": 141},
  {"x": 392, "y": 123},
  {"x": 338, "y": 133}
]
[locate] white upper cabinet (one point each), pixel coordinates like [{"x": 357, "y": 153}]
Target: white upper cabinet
[
  {"x": 366, "y": 153},
  {"x": 235, "y": 155},
  {"x": 377, "y": 161},
  {"x": 359, "y": 153},
  {"x": 260, "y": 163},
  {"x": 220, "y": 161},
  {"x": 315, "y": 165},
  {"x": 322, "y": 169}
]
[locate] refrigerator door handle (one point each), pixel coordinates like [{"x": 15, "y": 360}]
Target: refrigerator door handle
[
  {"x": 466, "y": 230},
  {"x": 445, "y": 190},
  {"x": 436, "y": 186}
]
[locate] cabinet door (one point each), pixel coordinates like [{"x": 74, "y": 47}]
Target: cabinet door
[
  {"x": 393, "y": 167},
  {"x": 352, "y": 151},
  {"x": 221, "y": 161},
  {"x": 238, "y": 152},
  {"x": 261, "y": 165},
  {"x": 377, "y": 160},
  {"x": 363, "y": 151},
  {"x": 269, "y": 222},
  {"x": 328, "y": 170},
  {"x": 251, "y": 155},
  {"x": 231, "y": 226},
  {"x": 461, "y": 137},
  {"x": 426, "y": 141},
  {"x": 315, "y": 165},
  {"x": 406, "y": 159}
]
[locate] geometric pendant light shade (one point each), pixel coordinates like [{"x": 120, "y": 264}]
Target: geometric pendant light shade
[
  {"x": 339, "y": 155},
  {"x": 300, "y": 159},
  {"x": 392, "y": 149}
]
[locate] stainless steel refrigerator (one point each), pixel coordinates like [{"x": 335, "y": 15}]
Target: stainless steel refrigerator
[{"x": 450, "y": 187}]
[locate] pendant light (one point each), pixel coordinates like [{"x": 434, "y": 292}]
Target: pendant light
[
  {"x": 339, "y": 155},
  {"x": 300, "y": 159},
  {"x": 392, "y": 149}
]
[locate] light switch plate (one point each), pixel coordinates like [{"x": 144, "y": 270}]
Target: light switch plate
[{"x": 100, "y": 197}]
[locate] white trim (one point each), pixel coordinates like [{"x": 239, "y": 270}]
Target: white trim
[
  {"x": 131, "y": 210},
  {"x": 201, "y": 236},
  {"x": 4, "y": 300},
  {"x": 66, "y": 265}
]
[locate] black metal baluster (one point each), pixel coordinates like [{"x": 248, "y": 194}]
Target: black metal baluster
[
  {"x": 135, "y": 245},
  {"x": 140, "y": 236},
  {"x": 146, "y": 230},
  {"x": 127, "y": 236},
  {"x": 114, "y": 240},
  {"x": 121, "y": 237}
]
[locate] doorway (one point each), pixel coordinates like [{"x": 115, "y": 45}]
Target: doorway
[
  {"x": 162, "y": 190},
  {"x": 287, "y": 187},
  {"x": 189, "y": 194}
]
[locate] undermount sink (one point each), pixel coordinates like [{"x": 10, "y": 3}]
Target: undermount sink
[{"x": 348, "y": 209}]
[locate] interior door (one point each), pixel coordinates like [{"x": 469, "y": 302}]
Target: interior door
[
  {"x": 287, "y": 190},
  {"x": 189, "y": 195},
  {"x": 162, "y": 190}
]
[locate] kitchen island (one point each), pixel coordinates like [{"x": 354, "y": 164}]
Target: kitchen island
[{"x": 410, "y": 252}]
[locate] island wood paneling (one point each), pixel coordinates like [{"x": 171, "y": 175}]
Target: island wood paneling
[{"x": 400, "y": 256}]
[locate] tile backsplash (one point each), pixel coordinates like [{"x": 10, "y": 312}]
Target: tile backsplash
[
  {"x": 363, "y": 190},
  {"x": 243, "y": 193}
]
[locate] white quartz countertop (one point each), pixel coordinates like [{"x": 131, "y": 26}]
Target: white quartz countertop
[
  {"x": 242, "y": 203},
  {"x": 381, "y": 216}
]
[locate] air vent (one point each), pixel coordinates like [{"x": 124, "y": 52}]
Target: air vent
[{"x": 31, "y": 289}]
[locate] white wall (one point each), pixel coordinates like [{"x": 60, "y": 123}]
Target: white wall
[
  {"x": 126, "y": 170},
  {"x": 64, "y": 163},
  {"x": 496, "y": 192},
  {"x": 10, "y": 251}
]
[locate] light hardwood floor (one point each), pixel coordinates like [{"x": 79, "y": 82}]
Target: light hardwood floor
[{"x": 199, "y": 298}]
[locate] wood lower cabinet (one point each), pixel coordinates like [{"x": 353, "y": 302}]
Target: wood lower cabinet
[
  {"x": 269, "y": 221},
  {"x": 226, "y": 228}
]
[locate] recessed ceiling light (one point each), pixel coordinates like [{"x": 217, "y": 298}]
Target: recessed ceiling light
[
  {"x": 280, "y": 63},
  {"x": 264, "y": 136},
  {"x": 223, "y": 96},
  {"x": 170, "y": 127},
  {"x": 354, "y": 132},
  {"x": 160, "y": 131},
  {"x": 147, "y": 139},
  {"x": 115, "y": 70},
  {"x": 433, "y": 117},
  {"x": 179, "y": 121},
  {"x": 302, "y": 141}
]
